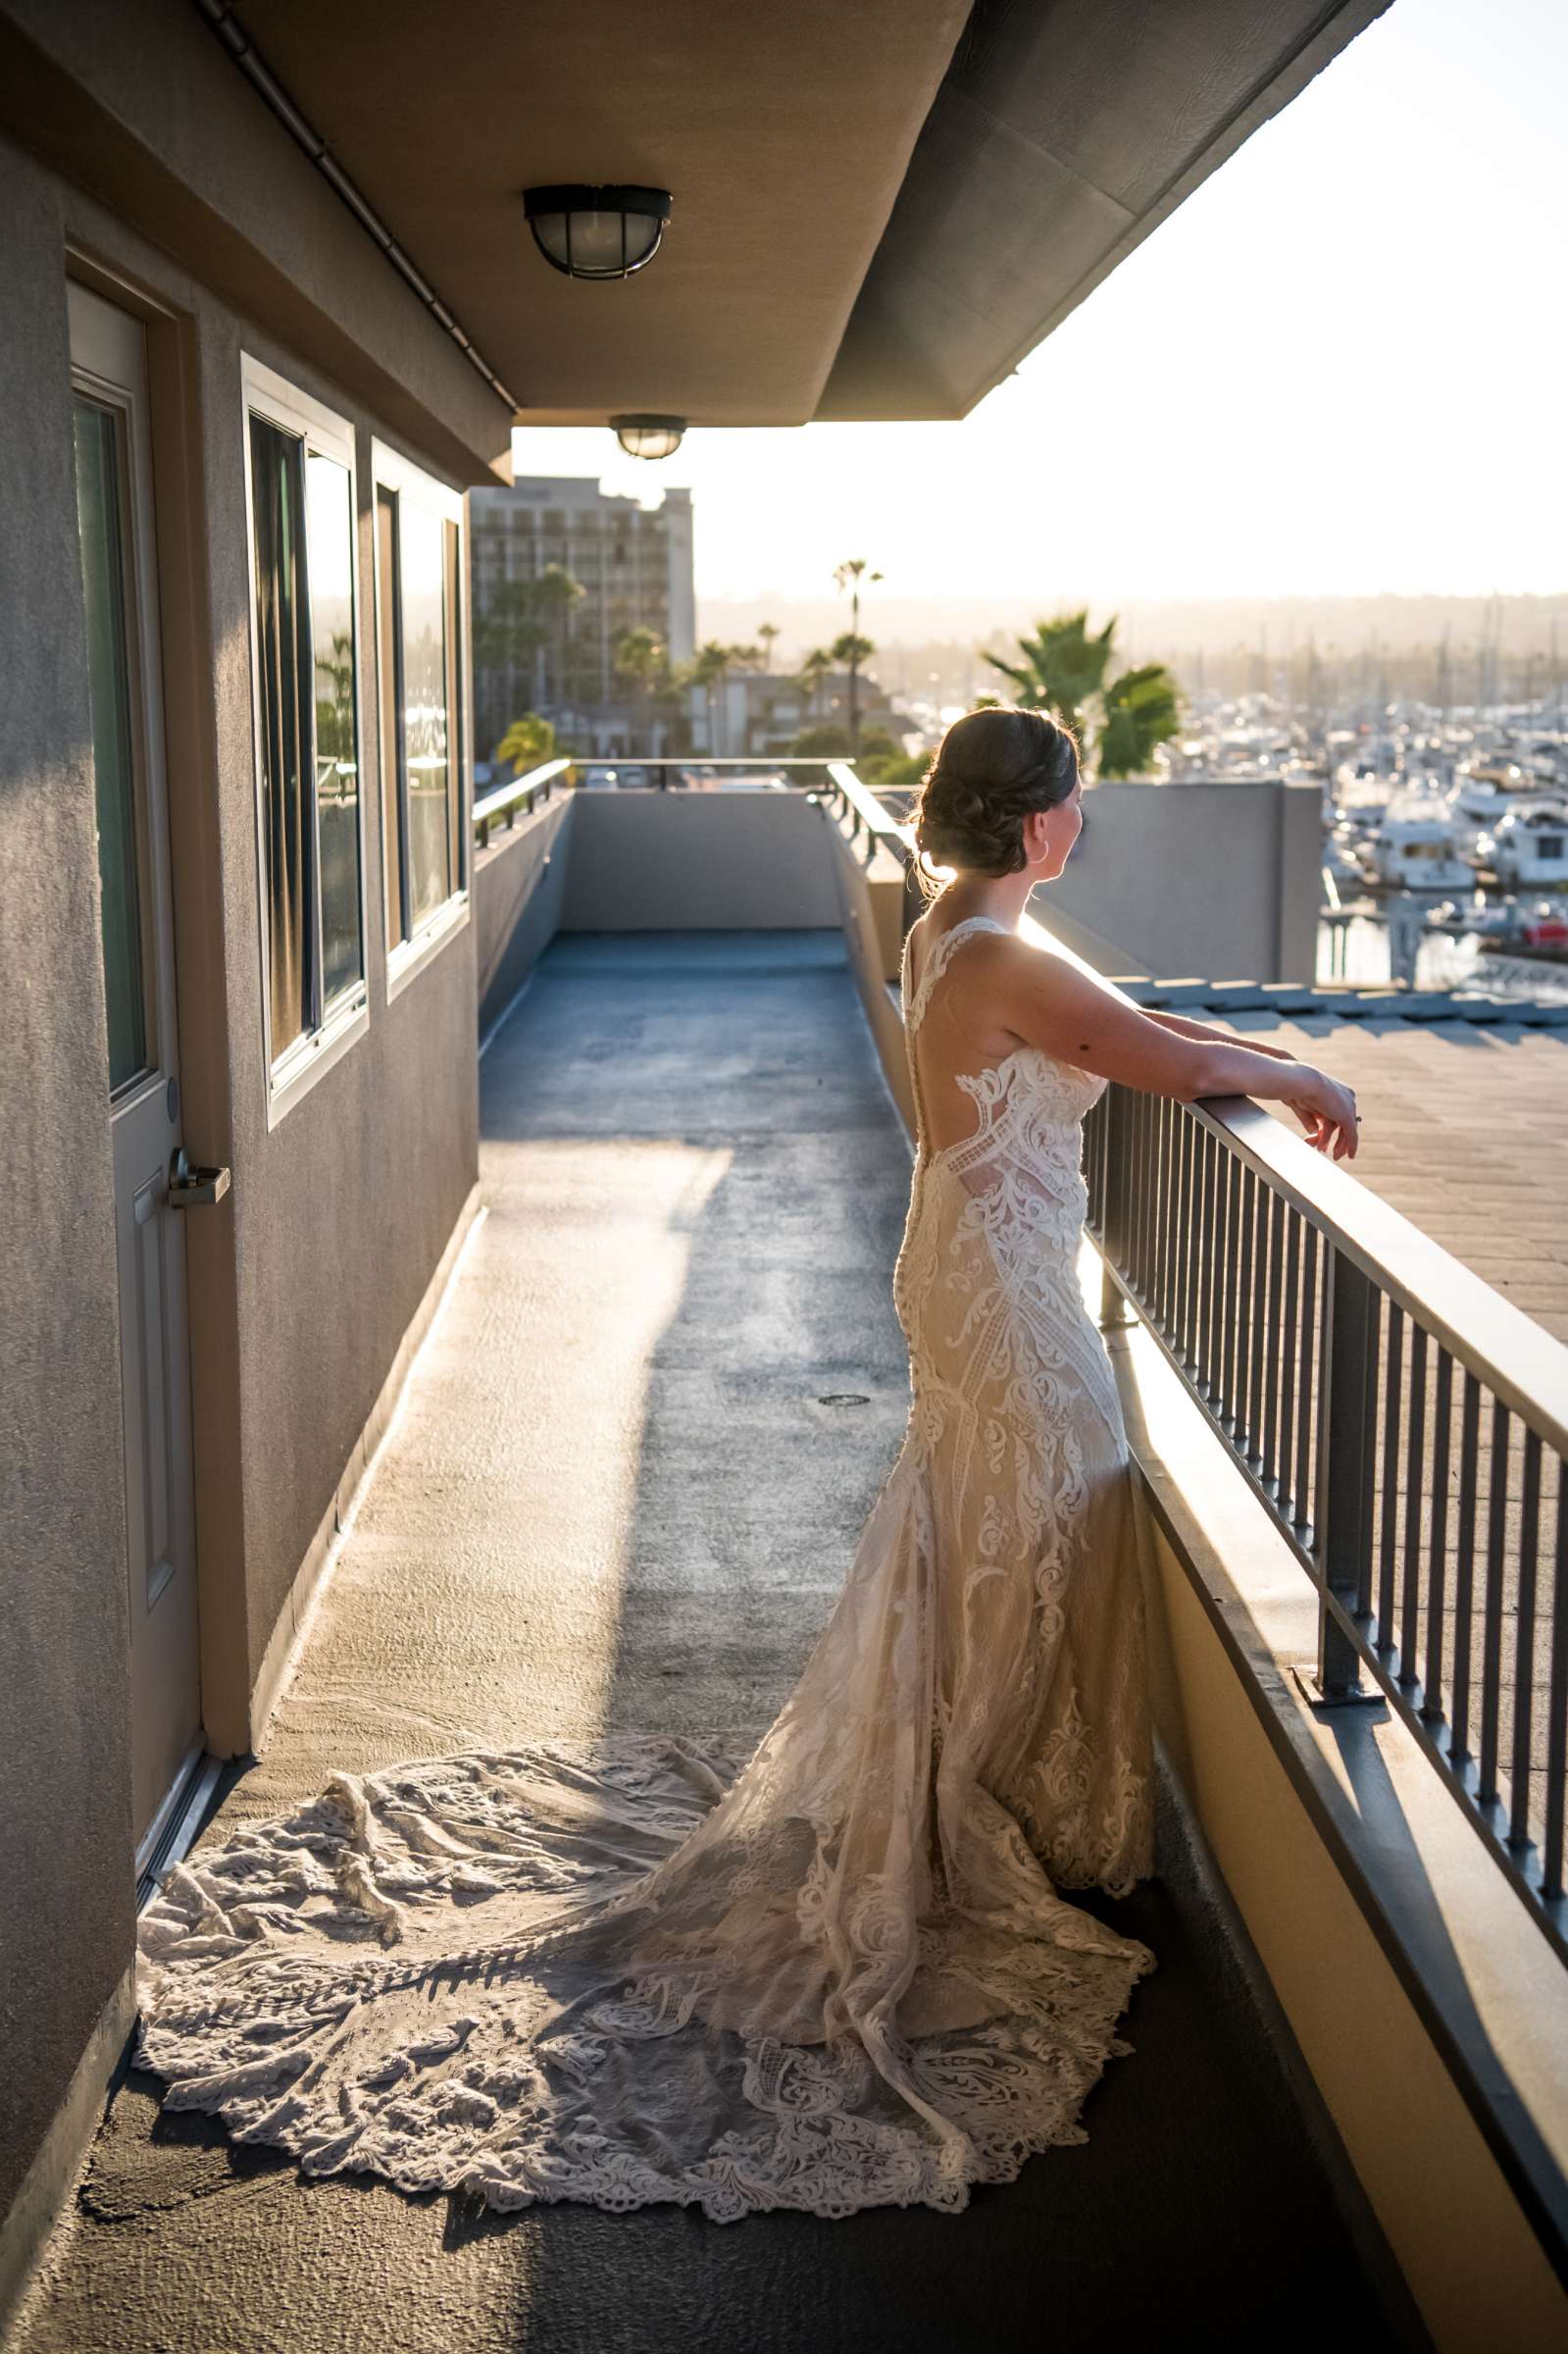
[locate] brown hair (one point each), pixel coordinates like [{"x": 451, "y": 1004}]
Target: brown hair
[{"x": 992, "y": 769}]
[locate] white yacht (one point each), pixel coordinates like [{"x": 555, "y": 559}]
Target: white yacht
[
  {"x": 1413, "y": 848},
  {"x": 1527, "y": 849}
]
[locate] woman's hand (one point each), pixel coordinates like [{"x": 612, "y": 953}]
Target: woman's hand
[{"x": 1326, "y": 1111}]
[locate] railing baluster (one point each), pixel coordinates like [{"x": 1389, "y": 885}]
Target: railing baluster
[
  {"x": 1438, "y": 1560},
  {"x": 1390, "y": 1466},
  {"x": 1241, "y": 1424},
  {"x": 1195, "y": 1279},
  {"x": 1113, "y": 1222},
  {"x": 1346, "y": 1425},
  {"x": 1191, "y": 1236},
  {"x": 1464, "y": 1568},
  {"x": 1415, "y": 1461},
  {"x": 1491, "y": 1608},
  {"x": 1170, "y": 1216},
  {"x": 1192, "y": 1324},
  {"x": 1302, "y": 1498},
  {"x": 1287, "y": 1361},
  {"x": 1552, "y": 1882},
  {"x": 1212, "y": 1244},
  {"x": 1143, "y": 1131},
  {"x": 1233, "y": 1271},
  {"x": 1271, "y": 1360},
  {"x": 1524, "y": 1653}
]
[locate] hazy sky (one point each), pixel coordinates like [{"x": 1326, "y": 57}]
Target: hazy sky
[{"x": 1341, "y": 367}]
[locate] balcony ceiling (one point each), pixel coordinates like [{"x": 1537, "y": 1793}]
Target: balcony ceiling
[
  {"x": 784, "y": 133},
  {"x": 878, "y": 207}
]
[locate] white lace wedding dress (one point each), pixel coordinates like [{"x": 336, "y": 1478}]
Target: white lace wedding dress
[{"x": 837, "y": 1975}]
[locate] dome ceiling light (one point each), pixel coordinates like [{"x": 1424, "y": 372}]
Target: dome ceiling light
[
  {"x": 596, "y": 232},
  {"x": 648, "y": 437}
]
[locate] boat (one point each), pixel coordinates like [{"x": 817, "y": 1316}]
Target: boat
[
  {"x": 1413, "y": 848},
  {"x": 1527, "y": 847},
  {"x": 1487, "y": 919}
]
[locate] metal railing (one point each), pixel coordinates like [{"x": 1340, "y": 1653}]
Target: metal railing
[
  {"x": 677, "y": 769},
  {"x": 519, "y": 798},
  {"x": 522, "y": 796},
  {"x": 1403, "y": 1423},
  {"x": 873, "y": 829},
  {"x": 1405, "y": 1426}
]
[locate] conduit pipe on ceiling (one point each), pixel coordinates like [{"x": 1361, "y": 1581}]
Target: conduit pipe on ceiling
[{"x": 221, "y": 17}]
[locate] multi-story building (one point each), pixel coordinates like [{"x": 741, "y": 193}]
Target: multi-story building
[
  {"x": 635, "y": 567},
  {"x": 765, "y": 711}
]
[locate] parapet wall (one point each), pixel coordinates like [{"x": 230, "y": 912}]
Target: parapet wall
[{"x": 1215, "y": 879}]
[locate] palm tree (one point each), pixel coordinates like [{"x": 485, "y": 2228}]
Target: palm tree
[
  {"x": 851, "y": 651},
  {"x": 1140, "y": 713},
  {"x": 555, "y": 592},
  {"x": 1063, "y": 668},
  {"x": 813, "y": 670},
  {"x": 1063, "y": 671},
  {"x": 528, "y": 743},
  {"x": 509, "y": 631},
  {"x": 851, "y": 575},
  {"x": 708, "y": 668},
  {"x": 768, "y": 631},
  {"x": 640, "y": 655}
]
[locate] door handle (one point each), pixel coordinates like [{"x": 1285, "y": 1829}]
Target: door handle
[{"x": 187, "y": 1186}]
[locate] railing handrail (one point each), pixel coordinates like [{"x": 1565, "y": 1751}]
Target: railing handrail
[
  {"x": 700, "y": 760},
  {"x": 507, "y": 796},
  {"x": 860, "y": 798}
]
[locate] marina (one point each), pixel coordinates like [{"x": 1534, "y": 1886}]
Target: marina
[{"x": 1444, "y": 834}]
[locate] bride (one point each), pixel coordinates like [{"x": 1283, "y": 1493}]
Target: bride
[{"x": 843, "y": 1972}]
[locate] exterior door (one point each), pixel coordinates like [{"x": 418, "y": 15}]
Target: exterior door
[{"x": 119, "y": 567}]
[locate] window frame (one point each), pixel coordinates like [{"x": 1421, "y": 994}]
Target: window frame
[
  {"x": 391, "y": 472},
  {"x": 311, "y": 1056}
]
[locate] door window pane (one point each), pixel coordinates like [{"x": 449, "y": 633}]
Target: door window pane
[
  {"x": 330, "y": 532},
  {"x": 102, "y": 579},
  {"x": 426, "y": 741},
  {"x": 284, "y": 663}
]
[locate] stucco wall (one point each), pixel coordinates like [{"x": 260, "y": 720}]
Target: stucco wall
[
  {"x": 341, "y": 1210},
  {"x": 305, "y": 1279},
  {"x": 65, "y": 1922},
  {"x": 1215, "y": 881},
  {"x": 651, "y": 862},
  {"x": 519, "y": 893}
]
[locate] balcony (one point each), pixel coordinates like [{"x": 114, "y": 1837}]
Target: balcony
[
  {"x": 619, "y": 1492},
  {"x": 547, "y": 1391}
]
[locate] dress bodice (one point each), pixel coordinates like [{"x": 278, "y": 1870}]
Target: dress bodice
[{"x": 1042, "y": 1100}]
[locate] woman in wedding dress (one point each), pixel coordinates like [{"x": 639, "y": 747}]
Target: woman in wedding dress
[{"x": 843, "y": 1972}]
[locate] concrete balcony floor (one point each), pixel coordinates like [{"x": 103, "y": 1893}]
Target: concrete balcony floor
[{"x": 614, "y": 1497}]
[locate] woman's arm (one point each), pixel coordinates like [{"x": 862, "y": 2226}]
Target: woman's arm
[
  {"x": 1050, "y": 1003},
  {"x": 1184, "y": 1028}
]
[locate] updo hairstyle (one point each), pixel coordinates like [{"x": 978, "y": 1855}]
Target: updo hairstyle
[{"x": 991, "y": 770}]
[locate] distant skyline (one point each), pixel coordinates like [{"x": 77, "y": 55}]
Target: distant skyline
[{"x": 1338, "y": 370}]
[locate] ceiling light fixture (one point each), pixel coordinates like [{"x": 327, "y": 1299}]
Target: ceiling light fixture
[
  {"x": 596, "y": 232},
  {"x": 648, "y": 437}
]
